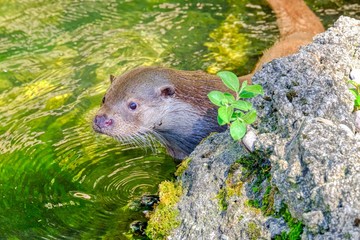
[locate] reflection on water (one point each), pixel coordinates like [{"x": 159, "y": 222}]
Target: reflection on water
[{"x": 60, "y": 180}]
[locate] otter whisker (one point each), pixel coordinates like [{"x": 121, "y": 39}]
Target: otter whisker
[
  {"x": 149, "y": 141},
  {"x": 138, "y": 140}
]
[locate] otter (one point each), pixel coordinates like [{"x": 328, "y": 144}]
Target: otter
[
  {"x": 172, "y": 105},
  {"x": 169, "y": 104}
]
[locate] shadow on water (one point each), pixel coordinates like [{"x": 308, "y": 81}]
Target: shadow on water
[{"x": 60, "y": 180}]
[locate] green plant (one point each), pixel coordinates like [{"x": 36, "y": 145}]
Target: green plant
[
  {"x": 356, "y": 92},
  {"x": 232, "y": 110}
]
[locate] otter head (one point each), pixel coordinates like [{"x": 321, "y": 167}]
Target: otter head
[{"x": 145, "y": 102}]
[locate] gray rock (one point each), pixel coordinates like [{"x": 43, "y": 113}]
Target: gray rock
[
  {"x": 306, "y": 120},
  {"x": 317, "y": 174},
  {"x": 249, "y": 140},
  {"x": 357, "y": 120}
]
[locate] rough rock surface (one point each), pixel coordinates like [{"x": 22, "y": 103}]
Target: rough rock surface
[{"x": 305, "y": 119}]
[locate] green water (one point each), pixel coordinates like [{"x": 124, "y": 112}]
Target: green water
[{"x": 60, "y": 180}]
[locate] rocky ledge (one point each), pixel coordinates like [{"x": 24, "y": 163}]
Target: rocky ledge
[{"x": 303, "y": 179}]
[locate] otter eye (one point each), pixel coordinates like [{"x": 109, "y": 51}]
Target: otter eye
[{"x": 132, "y": 105}]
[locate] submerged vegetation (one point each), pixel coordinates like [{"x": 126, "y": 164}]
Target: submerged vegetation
[{"x": 228, "y": 46}]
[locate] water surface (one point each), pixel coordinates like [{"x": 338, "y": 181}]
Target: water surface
[{"x": 60, "y": 180}]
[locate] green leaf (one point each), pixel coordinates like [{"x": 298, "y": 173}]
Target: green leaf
[
  {"x": 220, "y": 121},
  {"x": 245, "y": 94},
  {"x": 224, "y": 102},
  {"x": 236, "y": 115},
  {"x": 237, "y": 130},
  {"x": 357, "y": 101},
  {"x": 250, "y": 117},
  {"x": 355, "y": 84},
  {"x": 229, "y": 97},
  {"x": 243, "y": 85},
  {"x": 216, "y": 97},
  {"x": 230, "y": 80},
  {"x": 256, "y": 89},
  {"x": 242, "y": 105},
  {"x": 225, "y": 113},
  {"x": 353, "y": 91}
]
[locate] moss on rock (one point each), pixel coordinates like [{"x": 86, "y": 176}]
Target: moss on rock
[
  {"x": 164, "y": 219},
  {"x": 233, "y": 187},
  {"x": 295, "y": 226},
  {"x": 253, "y": 231},
  {"x": 182, "y": 167}
]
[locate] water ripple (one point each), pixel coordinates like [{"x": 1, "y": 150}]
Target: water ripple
[{"x": 58, "y": 179}]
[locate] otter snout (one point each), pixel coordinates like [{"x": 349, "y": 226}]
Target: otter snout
[{"x": 102, "y": 121}]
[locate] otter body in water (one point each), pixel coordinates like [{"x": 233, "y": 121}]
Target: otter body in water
[
  {"x": 154, "y": 100},
  {"x": 172, "y": 105}
]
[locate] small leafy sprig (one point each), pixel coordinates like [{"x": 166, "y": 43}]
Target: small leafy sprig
[
  {"x": 356, "y": 92},
  {"x": 232, "y": 110}
]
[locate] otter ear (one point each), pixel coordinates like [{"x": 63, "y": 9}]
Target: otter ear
[
  {"x": 167, "y": 91},
  {"x": 112, "y": 78}
]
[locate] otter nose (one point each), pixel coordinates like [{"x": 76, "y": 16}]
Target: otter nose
[{"x": 102, "y": 121}]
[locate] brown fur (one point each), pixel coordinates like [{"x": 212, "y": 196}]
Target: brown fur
[
  {"x": 297, "y": 25},
  {"x": 171, "y": 111},
  {"x": 172, "y": 105}
]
